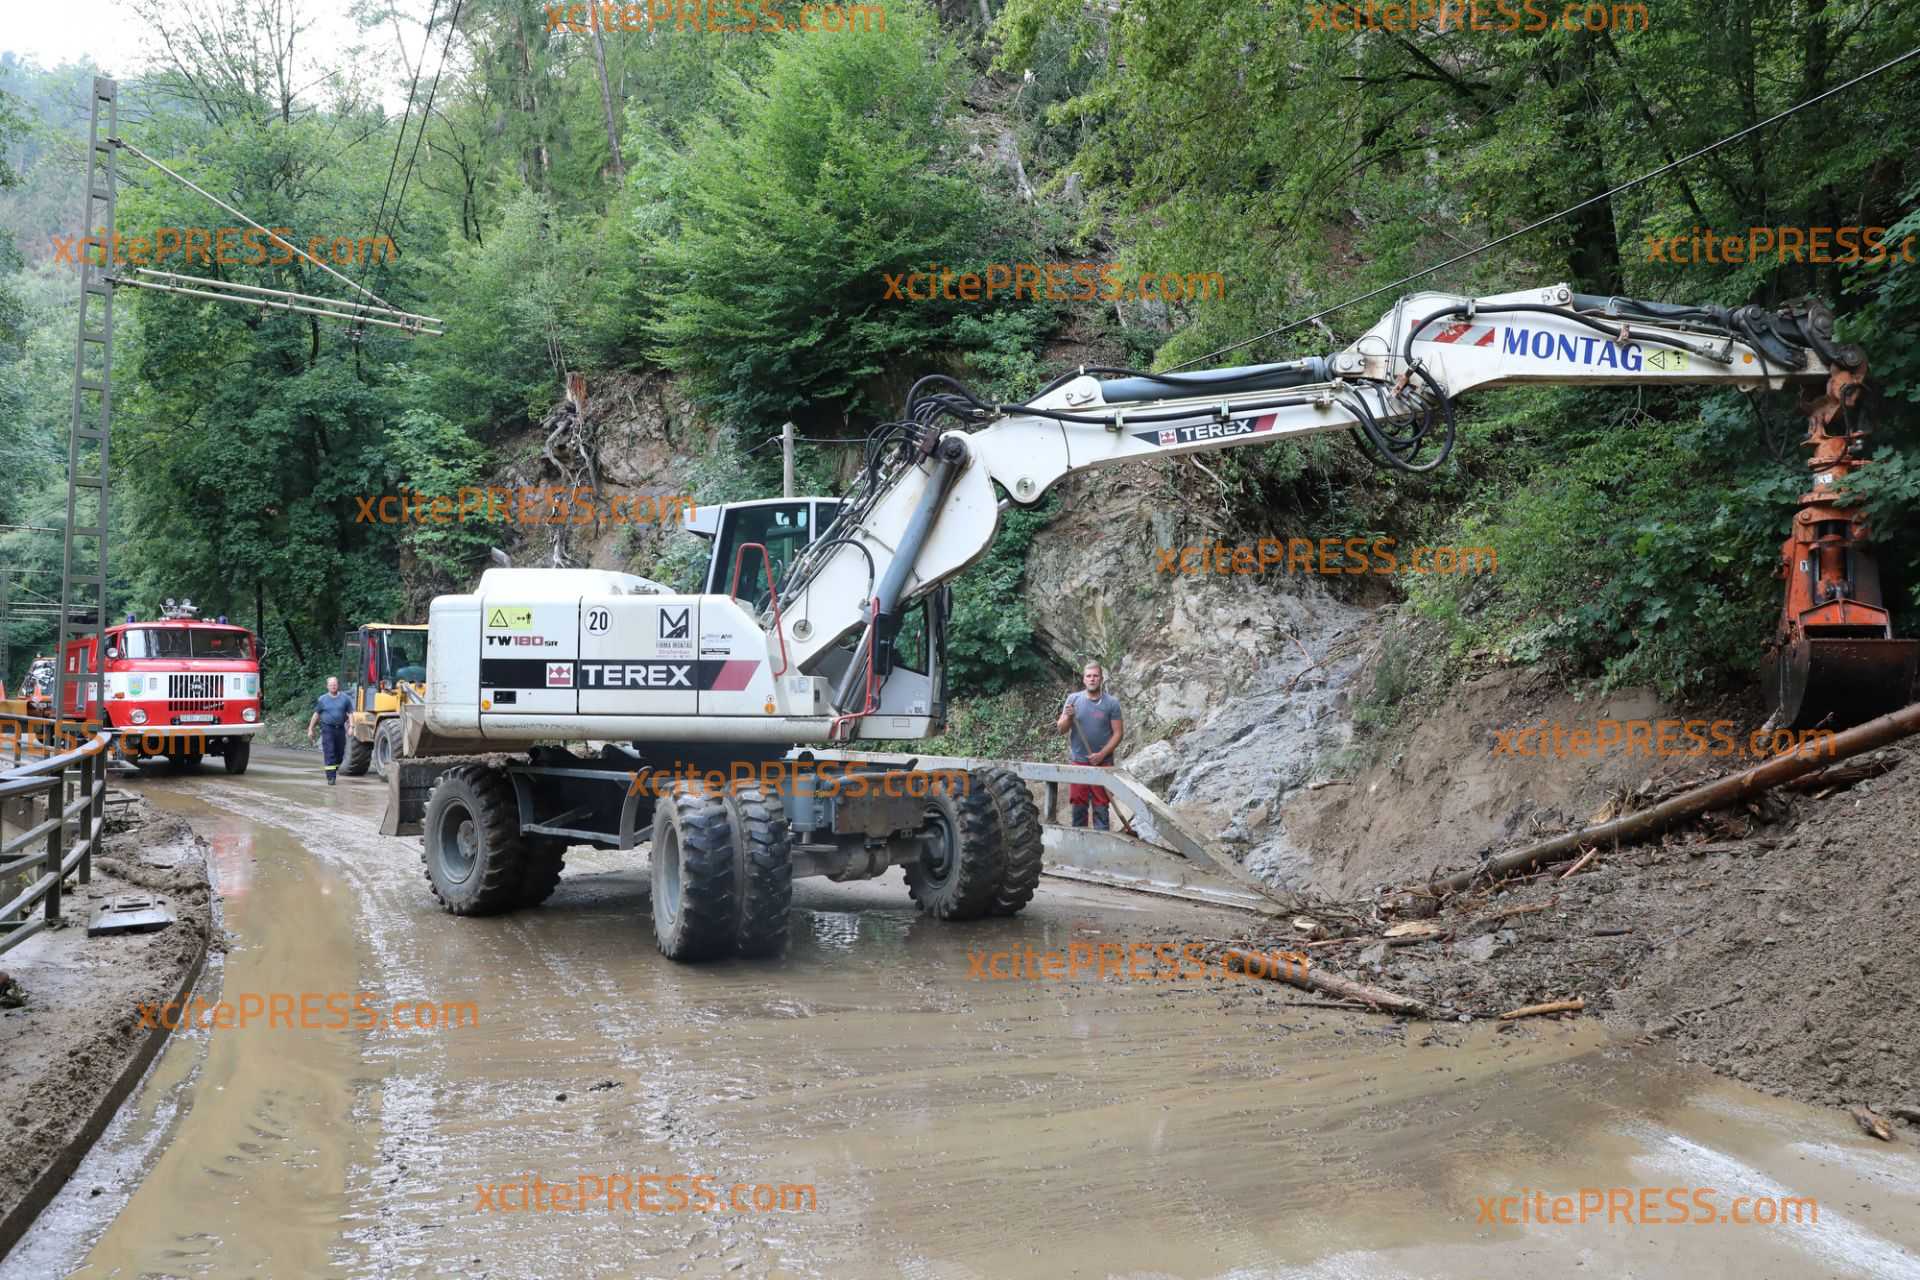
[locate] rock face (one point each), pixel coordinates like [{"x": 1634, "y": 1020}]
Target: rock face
[
  {"x": 1235, "y": 686},
  {"x": 641, "y": 435}
]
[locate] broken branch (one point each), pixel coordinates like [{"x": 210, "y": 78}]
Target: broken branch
[
  {"x": 1872, "y": 1125},
  {"x": 1310, "y": 978},
  {"x": 1574, "y": 1005}
]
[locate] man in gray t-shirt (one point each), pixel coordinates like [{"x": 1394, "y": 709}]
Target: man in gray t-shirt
[
  {"x": 331, "y": 710},
  {"x": 1092, "y": 723}
]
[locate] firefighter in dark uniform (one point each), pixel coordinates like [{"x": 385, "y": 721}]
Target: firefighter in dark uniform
[{"x": 330, "y": 712}]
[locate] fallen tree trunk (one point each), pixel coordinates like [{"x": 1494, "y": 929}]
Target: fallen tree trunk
[
  {"x": 1312, "y": 979},
  {"x": 1811, "y": 756}
]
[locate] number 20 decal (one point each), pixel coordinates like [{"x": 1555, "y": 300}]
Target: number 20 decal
[{"x": 598, "y": 621}]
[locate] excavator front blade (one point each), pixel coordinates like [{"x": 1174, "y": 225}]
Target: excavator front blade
[{"x": 1836, "y": 683}]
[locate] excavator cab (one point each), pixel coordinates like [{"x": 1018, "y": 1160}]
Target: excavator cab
[
  {"x": 912, "y": 663},
  {"x": 784, "y": 526}
]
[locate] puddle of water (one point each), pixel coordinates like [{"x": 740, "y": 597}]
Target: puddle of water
[
  {"x": 252, "y": 1179},
  {"x": 231, "y": 868}
]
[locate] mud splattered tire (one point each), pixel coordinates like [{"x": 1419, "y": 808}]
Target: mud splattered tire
[
  {"x": 546, "y": 858},
  {"x": 472, "y": 850},
  {"x": 386, "y": 746},
  {"x": 359, "y": 756},
  {"x": 1018, "y": 818},
  {"x": 694, "y": 904},
  {"x": 239, "y": 751},
  {"x": 964, "y": 866},
  {"x": 763, "y": 873}
]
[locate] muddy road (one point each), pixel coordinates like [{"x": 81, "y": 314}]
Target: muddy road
[{"x": 943, "y": 1126}]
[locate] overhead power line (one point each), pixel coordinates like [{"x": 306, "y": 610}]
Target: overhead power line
[
  {"x": 426, "y": 114},
  {"x": 128, "y": 146},
  {"x": 407, "y": 114}
]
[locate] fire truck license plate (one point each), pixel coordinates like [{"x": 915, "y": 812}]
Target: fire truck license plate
[{"x": 205, "y": 719}]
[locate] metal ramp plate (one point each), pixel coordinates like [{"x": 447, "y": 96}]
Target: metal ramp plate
[
  {"x": 1173, "y": 859},
  {"x": 130, "y": 913},
  {"x": 1119, "y": 861}
]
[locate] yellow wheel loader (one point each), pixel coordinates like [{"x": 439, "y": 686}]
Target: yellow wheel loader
[{"x": 383, "y": 666}]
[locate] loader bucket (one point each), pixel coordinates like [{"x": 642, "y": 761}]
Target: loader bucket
[{"x": 1836, "y": 683}]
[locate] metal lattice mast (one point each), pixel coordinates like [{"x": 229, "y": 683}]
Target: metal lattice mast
[{"x": 83, "y": 579}]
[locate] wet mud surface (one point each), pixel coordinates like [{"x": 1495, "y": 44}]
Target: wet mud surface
[
  {"x": 948, "y": 1126},
  {"x": 1770, "y": 942},
  {"x": 69, "y": 1022}
]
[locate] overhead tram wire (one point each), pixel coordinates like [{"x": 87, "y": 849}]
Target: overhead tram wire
[
  {"x": 426, "y": 115},
  {"x": 232, "y": 291},
  {"x": 1573, "y": 208},
  {"x": 400, "y": 141}
]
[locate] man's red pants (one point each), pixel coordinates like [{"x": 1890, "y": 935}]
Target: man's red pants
[{"x": 1082, "y": 795}]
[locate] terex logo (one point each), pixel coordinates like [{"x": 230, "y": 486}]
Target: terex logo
[
  {"x": 1595, "y": 350},
  {"x": 636, "y": 675}
]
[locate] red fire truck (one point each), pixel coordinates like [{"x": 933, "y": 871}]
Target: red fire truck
[{"x": 180, "y": 687}]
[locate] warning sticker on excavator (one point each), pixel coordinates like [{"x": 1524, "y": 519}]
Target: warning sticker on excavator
[
  {"x": 1669, "y": 361},
  {"x": 509, "y": 619}
]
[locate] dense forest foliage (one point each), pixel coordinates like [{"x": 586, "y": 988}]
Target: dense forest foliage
[{"x": 725, "y": 207}]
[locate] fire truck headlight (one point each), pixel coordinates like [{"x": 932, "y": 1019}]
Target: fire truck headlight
[
  {"x": 249, "y": 715},
  {"x": 138, "y": 716}
]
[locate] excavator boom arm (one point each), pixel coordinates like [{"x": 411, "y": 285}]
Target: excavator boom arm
[{"x": 932, "y": 510}]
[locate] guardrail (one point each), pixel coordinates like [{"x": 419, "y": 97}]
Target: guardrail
[{"x": 50, "y": 776}]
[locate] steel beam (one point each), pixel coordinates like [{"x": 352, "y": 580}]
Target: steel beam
[{"x": 90, "y": 425}]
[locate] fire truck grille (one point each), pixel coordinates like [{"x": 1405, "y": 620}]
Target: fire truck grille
[{"x": 194, "y": 692}]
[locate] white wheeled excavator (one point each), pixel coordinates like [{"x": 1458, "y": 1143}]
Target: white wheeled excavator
[{"x": 823, "y": 620}]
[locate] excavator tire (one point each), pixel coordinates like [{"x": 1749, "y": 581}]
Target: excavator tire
[
  {"x": 474, "y": 857},
  {"x": 1018, "y": 818},
  {"x": 964, "y": 868},
  {"x": 359, "y": 756},
  {"x": 694, "y": 903},
  {"x": 546, "y": 857},
  {"x": 763, "y": 873}
]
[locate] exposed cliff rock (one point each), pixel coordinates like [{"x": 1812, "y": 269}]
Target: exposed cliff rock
[{"x": 637, "y": 438}]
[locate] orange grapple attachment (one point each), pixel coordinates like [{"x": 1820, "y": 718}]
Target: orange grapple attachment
[{"x": 1833, "y": 661}]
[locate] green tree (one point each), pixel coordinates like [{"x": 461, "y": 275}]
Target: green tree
[{"x": 837, "y": 167}]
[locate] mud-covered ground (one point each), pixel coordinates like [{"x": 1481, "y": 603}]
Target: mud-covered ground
[
  {"x": 70, "y": 1023},
  {"x": 1772, "y": 944},
  {"x": 950, "y": 1124}
]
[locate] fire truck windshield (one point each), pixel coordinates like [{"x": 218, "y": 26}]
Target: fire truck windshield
[{"x": 184, "y": 642}]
